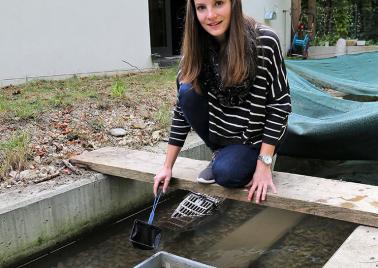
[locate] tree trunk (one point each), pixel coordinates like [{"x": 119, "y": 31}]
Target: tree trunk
[
  {"x": 329, "y": 16},
  {"x": 295, "y": 13},
  {"x": 311, "y": 15}
]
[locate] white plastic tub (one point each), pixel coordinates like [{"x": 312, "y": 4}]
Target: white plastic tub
[{"x": 164, "y": 259}]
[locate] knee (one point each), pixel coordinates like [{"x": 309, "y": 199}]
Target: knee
[
  {"x": 235, "y": 165},
  {"x": 230, "y": 176}
]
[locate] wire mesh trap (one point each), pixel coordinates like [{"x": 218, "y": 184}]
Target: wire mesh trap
[
  {"x": 197, "y": 205},
  {"x": 192, "y": 210}
]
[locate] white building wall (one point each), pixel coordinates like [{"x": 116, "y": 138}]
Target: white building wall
[
  {"x": 281, "y": 24},
  {"x": 57, "y": 38}
]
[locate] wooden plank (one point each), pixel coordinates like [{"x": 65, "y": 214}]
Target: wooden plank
[
  {"x": 347, "y": 201},
  {"x": 359, "y": 250}
]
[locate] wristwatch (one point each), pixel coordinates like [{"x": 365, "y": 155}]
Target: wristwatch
[{"x": 266, "y": 159}]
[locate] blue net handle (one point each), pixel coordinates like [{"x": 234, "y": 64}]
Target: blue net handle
[{"x": 152, "y": 214}]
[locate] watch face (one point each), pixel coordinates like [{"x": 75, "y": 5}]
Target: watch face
[{"x": 267, "y": 159}]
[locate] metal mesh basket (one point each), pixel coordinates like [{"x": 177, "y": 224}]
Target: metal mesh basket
[
  {"x": 190, "y": 213},
  {"x": 196, "y": 205}
]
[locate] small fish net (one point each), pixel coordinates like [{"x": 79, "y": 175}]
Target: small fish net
[{"x": 192, "y": 210}]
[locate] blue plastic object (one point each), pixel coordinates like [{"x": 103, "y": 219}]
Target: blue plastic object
[
  {"x": 144, "y": 235},
  {"x": 152, "y": 214},
  {"x": 303, "y": 43}
]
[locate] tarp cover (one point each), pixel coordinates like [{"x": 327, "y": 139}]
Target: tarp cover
[
  {"x": 352, "y": 74},
  {"x": 324, "y": 127}
]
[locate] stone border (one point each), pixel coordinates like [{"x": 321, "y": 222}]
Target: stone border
[
  {"x": 31, "y": 224},
  {"x": 358, "y": 250},
  {"x": 321, "y": 52}
]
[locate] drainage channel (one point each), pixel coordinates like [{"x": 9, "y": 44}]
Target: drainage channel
[{"x": 238, "y": 235}]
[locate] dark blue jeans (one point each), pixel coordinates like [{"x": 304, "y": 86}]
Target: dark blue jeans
[{"x": 234, "y": 164}]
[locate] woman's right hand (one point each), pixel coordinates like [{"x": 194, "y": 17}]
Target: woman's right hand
[{"x": 163, "y": 176}]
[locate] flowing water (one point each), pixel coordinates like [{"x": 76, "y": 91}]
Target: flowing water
[
  {"x": 230, "y": 238},
  {"x": 239, "y": 235}
]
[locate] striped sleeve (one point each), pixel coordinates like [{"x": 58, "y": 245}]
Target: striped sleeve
[
  {"x": 278, "y": 105},
  {"x": 179, "y": 126}
]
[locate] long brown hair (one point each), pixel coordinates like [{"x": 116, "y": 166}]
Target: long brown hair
[{"x": 237, "y": 59}]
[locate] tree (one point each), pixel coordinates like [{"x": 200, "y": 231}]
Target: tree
[
  {"x": 311, "y": 7},
  {"x": 342, "y": 14},
  {"x": 347, "y": 18}
]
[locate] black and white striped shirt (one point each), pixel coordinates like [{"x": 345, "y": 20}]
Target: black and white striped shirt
[{"x": 261, "y": 117}]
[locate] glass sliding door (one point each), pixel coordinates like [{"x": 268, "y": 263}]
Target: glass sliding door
[{"x": 160, "y": 27}]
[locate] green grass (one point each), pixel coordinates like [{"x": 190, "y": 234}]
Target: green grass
[
  {"x": 163, "y": 116},
  {"x": 153, "y": 79},
  {"x": 39, "y": 96},
  {"x": 118, "y": 89},
  {"x": 31, "y": 99},
  {"x": 14, "y": 153},
  {"x": 96, "y": 124}
]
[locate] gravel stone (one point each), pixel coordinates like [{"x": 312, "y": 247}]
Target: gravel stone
[{"x": 118, "y": 132}]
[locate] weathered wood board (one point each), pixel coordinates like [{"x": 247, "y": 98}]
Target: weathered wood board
[
  {"x": 347, "y": 201},
  {"x": 360, "y": 250}
]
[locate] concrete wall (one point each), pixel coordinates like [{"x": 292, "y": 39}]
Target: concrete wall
[
  {"x": 47, "y": 39},
  {"x": 39, "y": 218},
  {"x": 281, "y": 24},
  {"x": 53, "y": 37},
  {"x": 45, "y": 215},
  {"x": 320, "y": 52}
]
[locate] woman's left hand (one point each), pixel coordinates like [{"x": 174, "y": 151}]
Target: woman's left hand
[{"x": 261, "y": 180}]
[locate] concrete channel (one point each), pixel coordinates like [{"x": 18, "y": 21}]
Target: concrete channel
[{"x": 44, "y": 216}]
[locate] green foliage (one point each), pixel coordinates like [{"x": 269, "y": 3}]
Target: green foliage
[
  {"x": 35, "y": 97},
  {"x": 342, "y": 17},
  {"x": 350, "y": 19},
  {"x": 14, "y": 153},
  {"x": 333, "y": 17},
  {"x": 29, "y": 111},
  {"x": 151, "y": 80},
  {"x": 28, "y": 101},
  {"x": 163, "y": 116},
  {"x": 21, "y": 108},
  {"x": 59, "y": 100},
  {"x": 96, "y": 124},
  {"x": 118, "y": 88},
  {"x": 322, "y": 40},
  {"x": 372, "y": 43}
]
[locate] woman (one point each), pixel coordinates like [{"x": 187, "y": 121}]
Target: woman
[{"x": 233, "y": 91}]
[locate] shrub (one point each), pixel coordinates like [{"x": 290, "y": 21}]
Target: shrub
[{"x": 14, "y": 153}]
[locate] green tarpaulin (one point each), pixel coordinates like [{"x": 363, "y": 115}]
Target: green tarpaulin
[
  {"x": 351, "y": 74},
  {"x": 325, "y": 127}
]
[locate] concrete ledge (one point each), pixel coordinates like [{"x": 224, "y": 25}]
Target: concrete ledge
[
  {"x": 196, "y": 150},
  {"x": 22, "y": 80},
  {"x": 44, "y": 215},
  {"x": 320, "y": 52},
  {"x": 33, "y": 222},
  {"x": 358, "y": 250}
]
